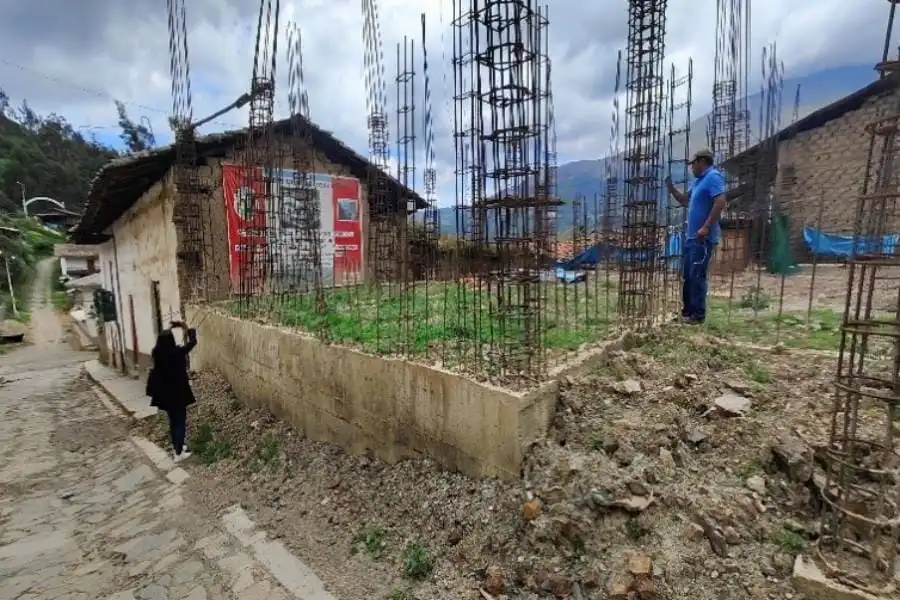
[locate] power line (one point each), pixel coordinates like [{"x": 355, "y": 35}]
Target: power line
[{"x": 98, "y": 93}]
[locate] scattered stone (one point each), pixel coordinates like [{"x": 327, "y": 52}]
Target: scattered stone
[
  {"x": 531, "y": 510},
  {"x": 640, "y": 565},
  {"x": 610, "y": 445},
  {"x": 756, "y": 484},
  {"x": 694, "y": 532},
  {"x": 715, "y": 536},
  {"x": 153, "y": 592},
  {"x": 794, "y": 525},
  {"x": 733, "y": 404},
  {"x": 794, "y": 457},
  {"x": 558, "y": 585},
  {"x": 631, "y": 387},
  {"x": 738, "y": 387},
  {"x": 494, "y": 582},
  {"x": 731, "y": 536},
  {"x": 667, "y": 461},
  {"x": 619, "y": 586},
  {"x": 696, "y": 437},
  {"x": 646, "y": 589},
  {"x": 637, "y": 488}
]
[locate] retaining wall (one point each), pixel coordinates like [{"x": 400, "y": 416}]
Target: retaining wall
[{"x": 389, "y": 407}]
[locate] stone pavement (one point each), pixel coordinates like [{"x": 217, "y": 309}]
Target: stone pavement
[
  {"x": 128, "y": 392},
  {"x": 85, "y": 515}
]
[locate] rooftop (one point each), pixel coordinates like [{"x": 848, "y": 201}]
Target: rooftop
[
  {"x": 827, "y": 113},
  {"x": 120, "y": 183},
  {"x": 75, "y": 250}
]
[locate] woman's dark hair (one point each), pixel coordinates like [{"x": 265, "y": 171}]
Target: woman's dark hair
[{"x": 164, "y": 348}]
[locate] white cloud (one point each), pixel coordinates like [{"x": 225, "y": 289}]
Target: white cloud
[{"x": 75, "y": 62}]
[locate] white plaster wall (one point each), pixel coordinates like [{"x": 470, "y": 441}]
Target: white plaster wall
[
  {"x": 69, "y": 264},
  {"x": 144, "y": 247}
]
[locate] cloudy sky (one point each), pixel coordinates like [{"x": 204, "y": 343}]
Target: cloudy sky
[{"x": 75, "y": 62}]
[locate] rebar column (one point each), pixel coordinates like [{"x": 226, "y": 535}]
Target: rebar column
[
  {"x": 642, "y": 243},
  {"x": 861, "y": 523}
]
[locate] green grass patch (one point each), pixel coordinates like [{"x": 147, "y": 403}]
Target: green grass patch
[
  {"x": 418, "y": 562},
  {"x": 765, "y": 327},
  {"x": 209, "y": 446},
  {"x": 268, "y": 451},
  {"x": 789, "y": 541},
  {"x": 372, "y": 539},
  {"x": 447, "y": 318}
]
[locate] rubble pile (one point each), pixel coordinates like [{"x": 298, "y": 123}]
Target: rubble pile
[{"x": 682, "y": 467}]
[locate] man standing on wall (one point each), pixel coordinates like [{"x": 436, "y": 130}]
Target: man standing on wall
[{"x": 705, "y": 200}]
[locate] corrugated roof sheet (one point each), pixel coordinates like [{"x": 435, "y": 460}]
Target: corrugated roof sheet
[
  {"x": 120, "y": 183},
  {"x": 828, "y": 113}
]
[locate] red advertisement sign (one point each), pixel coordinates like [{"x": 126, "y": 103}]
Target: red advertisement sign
[
  {"x": 348, "y": 241},
  {"x": 245, "y": 211}
]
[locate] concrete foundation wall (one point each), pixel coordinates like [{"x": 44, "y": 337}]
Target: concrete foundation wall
[{"x": 391, "y": 408}]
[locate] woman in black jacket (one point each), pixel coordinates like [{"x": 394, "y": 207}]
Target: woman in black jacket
[{"x": 168, "y": 385}]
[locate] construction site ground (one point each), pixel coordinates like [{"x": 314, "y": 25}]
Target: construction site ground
[{"x": 658, "y": 479}]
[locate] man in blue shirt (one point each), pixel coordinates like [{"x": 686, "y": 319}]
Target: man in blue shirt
[{"x": 705, "y": 200}]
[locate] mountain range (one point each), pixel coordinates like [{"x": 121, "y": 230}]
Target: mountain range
[{"x": 587, "y": 178}]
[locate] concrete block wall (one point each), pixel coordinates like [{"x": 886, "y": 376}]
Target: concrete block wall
[{"x": 392, "y": 408}]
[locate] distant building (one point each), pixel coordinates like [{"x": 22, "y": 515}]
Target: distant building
[
  {"x": 56, "y": 218},
  {"x": 821, "y": 163},
  {"x": 77, "y": 260},
  {"x": 155, "y": 264}
]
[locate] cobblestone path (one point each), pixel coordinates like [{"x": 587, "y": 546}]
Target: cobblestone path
[{"x": 83, "y": 513}]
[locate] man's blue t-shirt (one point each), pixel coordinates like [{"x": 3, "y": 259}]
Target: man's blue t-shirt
[{"x": 706, "y": 187}]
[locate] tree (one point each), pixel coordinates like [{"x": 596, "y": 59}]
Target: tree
[{"x": 135, "y": 136}]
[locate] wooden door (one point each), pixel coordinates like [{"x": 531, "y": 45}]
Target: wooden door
[{"x": 134, "y": 337}]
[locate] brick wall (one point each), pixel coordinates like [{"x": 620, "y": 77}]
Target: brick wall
[{"x": 829, "y": 167}]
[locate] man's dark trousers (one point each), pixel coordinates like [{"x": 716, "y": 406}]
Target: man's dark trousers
[{"x": 695, "y": 267}]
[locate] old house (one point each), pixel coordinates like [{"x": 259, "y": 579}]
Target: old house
[
  {"x": 77, "y": 260},
  {"x": 148, "y": 254},
  {"x": 812, "y": 172}
]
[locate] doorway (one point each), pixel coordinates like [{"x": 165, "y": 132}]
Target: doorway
[{"x": 156, "y": 307}]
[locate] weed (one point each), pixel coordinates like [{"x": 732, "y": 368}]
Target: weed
[
  {"x": 235, "y": 405},
  {"x": 750, "y": 468},
  {"x": 790, "y": 542},
  {"x": 758, "y": 373},
  {"x": 268, "y": 450},
  {"x": 634, "y": 530},
  {"x": 207, "y": 447},
  {"x": 401, "y": 594},
  {"x": 418, "y": 563},
  {"x": 373, "y": 538},
  {"x": 755, "y": 299}
]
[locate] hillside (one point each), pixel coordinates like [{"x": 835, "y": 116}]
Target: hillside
[
  {"x": 586, "y": 178},
  {"x": 47, "y": 155}
]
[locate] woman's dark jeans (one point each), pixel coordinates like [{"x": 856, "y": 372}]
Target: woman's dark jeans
[{"x": 177, "y": 427}]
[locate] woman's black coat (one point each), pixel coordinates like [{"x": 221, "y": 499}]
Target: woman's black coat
[{"x": 168, "y": 384}]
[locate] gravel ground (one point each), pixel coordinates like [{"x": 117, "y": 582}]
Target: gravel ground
[{"x": 643, "y": 485}]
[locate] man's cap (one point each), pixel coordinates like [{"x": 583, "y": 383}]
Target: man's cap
[{"x": 705, "y": 153}]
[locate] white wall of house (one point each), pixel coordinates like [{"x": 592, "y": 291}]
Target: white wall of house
[
  {"x": 73, "y": 264},
  {"x": 142, "y": 251}
]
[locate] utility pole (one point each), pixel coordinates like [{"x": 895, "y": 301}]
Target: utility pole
[{"x": 12, "y": 294}]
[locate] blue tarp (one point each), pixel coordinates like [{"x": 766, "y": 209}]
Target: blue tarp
[
  {"x": 597, "y": 253},
  {"x": 841, "y": 246}
]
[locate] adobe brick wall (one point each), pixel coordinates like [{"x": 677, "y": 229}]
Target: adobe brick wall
[
  {"x": 830, "y": 165},
  {"x": 214, "y": 283}
]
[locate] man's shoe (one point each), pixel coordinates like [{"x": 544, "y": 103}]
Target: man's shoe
[{"x": 182, "y": 456}]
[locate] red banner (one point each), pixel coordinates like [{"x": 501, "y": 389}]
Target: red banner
[{"x": 243, "y": 189}]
